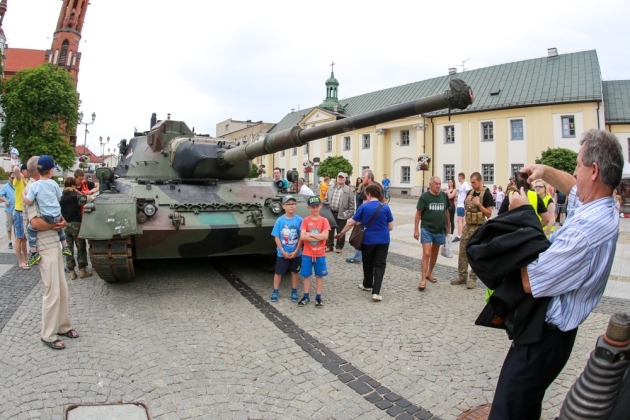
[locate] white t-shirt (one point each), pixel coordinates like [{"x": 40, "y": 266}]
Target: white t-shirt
[
  {"x": 500, "y": 195},
  {"x": 463, "y": 191},
  {"x": 306, "y": 190}
]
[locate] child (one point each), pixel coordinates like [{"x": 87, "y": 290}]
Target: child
[
  {"x": 47, "y": 193},
  {"x": 314, "y": 234},
  {"x": 286, "y": 233}
]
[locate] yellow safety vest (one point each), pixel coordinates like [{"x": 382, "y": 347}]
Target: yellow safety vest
[{"x": 546, "y": 201}]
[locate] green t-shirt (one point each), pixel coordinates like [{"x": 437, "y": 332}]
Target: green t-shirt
[{"x": 433, "y": 208}]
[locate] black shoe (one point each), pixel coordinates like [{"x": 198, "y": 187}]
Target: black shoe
[
  {"x": 319, "y": 303},
  {"x": 456, "y": 239},
  {"x": 304, "y": 301}
]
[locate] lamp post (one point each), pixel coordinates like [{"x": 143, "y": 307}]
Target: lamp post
[
  {"x": 86, "y": 125},
  {"x": 103, "y": 143}
]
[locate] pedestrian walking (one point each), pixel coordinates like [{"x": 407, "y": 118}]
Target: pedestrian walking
[
  {"x": 368, "y": 179},
  {"x": 378, "y": 221},
  {"x": 432, "y": 208},
  {"x": 461, "y": 198},
  {"x": 573, "y": 271},
  {"x": 451, "y": 192}
]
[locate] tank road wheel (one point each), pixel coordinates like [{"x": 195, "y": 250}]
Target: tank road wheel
[{"x": 113, "y": 259}]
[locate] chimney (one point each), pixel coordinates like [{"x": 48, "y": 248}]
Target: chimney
[
  {"x": 292, "y": 110},
  {"x": 153, "y": 120},
  {"x": 452, "y": 71},
  {"x": 552, "y": 52}
]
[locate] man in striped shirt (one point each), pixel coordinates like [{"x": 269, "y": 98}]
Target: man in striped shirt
[{"x": 573, "y": 272}]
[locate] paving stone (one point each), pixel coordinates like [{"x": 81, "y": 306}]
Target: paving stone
[
  {"x": 383, "y": 404},
  {"x": 395, "y": 410}
]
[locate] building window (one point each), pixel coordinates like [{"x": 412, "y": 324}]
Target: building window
[
  {"x": 282, "y": 153},
  {"x": 568, "y": 126},
  {"x": 405, "y": 174},
  {"x": 487, "y": 131},
  {"x": 449, "y": 173},
  {"x": 294, "y": 151},
  {"x": 346, "y": 143},
  {"x": 306, "y": 149},
  {"x": 487, "y": 171},
  {"x": 516, "y": 128},
  {"x": 366, "y": 141},
  {"x": 404, "y": 137},
  {"x": 516, "y": 167},
  {"x": 449, "y": 134},
  {"x": 329, "y": 145},
  {"x": 364, "y": 168},
  {"x": 64, "y": 52}
]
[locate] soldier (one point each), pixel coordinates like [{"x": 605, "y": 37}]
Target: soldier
[
  {"x": 478, "y": 207},
  {"x": 71, "y": 212}
]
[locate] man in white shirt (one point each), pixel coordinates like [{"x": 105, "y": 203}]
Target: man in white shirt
[
  {"x": 303, "y": 189},
  {"x": 461, "y": 197}
]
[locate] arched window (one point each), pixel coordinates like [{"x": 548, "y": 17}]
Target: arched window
[
  {"x": 64, "y": 52},
  {"x": 69, "y": 62},
  {"x": 56, "y": 57}
]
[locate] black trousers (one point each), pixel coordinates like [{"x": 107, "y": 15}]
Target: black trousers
[
  {"x": 526, "y": 374},
  {"x": 341, "y": 223},
  {"x": 451, "y": 214},
  {"x": 374, "y": 263}
]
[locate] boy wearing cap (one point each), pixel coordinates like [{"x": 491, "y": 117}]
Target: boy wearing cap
[
  {"x": 314, "y": 233},
  {"x": 47, "y": 193},
  {"x": 286, "y": 233}
]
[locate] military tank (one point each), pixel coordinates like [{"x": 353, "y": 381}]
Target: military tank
[{"x": 176, "y": 194}]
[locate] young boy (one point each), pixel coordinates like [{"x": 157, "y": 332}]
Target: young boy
[
  {"x": 314, "y": 234},
  {"x": 47, "y": 193},
  {"x": 286, "y": 233}
]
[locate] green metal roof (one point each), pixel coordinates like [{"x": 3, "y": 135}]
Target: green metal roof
[
  {"x": 566, "y": 78},
  {"x": 617, "y": 101}
]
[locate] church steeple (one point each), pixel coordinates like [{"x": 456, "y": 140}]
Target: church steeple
[
  {"x": 65, "y": 46},
  {"x": 3, "y": 10},
  {"x": 332, "y": 85}
]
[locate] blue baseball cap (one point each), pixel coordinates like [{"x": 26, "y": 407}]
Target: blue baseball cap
[
  {"x": 288, "y": 198},
  {"x": 45, "y": 163}
]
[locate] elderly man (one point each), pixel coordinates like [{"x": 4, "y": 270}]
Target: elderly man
[
  {"x": 341, "y": 200},
  {"x": 432, "y": 207},
  {"x": 303, "y": 188},
  {"x": 573, "y": 271},
  {"x": 55, "y": 315}
]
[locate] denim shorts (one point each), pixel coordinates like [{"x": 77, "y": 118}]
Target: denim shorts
[
  {"x": 308, "y": 265},
  {"x": 427, "y": 237},
  {"x": 283, "y": 265},
  {"x": 18, "y": 222},
  {"x": 461, "y": 212}
]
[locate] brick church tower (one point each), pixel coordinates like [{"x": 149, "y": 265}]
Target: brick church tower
[{"x": 64, "y": 51}]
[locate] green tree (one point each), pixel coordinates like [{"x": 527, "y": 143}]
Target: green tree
[
  {"x": 332, "y": 165},
  {"x": 254, "y": 173},
  {"x": 40, "y": 107},
  {"x": 559, "y": 158}
]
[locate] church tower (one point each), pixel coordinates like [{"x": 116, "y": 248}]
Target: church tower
[{"x": 65, "y": 46}]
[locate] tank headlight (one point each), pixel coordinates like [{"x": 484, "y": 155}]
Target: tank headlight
[
  {"x": 149, "y": 209},
  {"x": 276, "y": 207}
]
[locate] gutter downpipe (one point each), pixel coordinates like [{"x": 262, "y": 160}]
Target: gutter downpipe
[{"x": 598, "y": 115}]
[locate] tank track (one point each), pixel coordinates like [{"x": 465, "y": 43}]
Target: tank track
[{"x": 113, "y": 259}]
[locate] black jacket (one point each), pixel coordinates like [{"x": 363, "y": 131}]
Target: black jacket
[
  {"x": 496, "y": 252},
  {"x": 70, "y": 209}
]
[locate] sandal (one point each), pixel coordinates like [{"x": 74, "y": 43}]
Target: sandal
[
  {"x": 422, "y": 286},
  {"x": 72, "y": 333},
  {"x": 431, "y": 278},
  {"x": 53, "y": 344}
]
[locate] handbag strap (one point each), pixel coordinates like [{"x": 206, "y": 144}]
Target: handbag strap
[{"x": 373, "y": 216}]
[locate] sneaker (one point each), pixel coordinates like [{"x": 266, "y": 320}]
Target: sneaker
[
  {"x": 274, "y": 296},
  {"x": 352, "y": 260},
  {"x": 33, "y": 259},
  {"x": 319, "y": 303},
  {"x": 367, "y": 289},
  {"x": 66, "y": 251},
  {"x": 456, "y": 239},
  {"x": 304, "y": 301},
  {"x": 294, "y": 296},
  {"x": 11, "y": 245},
  {"x": 377, "y": 298}
]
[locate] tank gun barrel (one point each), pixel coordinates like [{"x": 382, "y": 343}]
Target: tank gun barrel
[{"x": 459, "y": 96}]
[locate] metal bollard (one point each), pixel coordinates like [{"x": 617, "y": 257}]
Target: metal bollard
[{"x": 594, "y": 394}]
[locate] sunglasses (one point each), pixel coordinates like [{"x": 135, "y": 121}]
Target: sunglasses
[{"x": 539, "y": 186}]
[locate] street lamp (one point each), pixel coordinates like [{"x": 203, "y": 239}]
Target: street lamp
[
  {"x": 103, "y": 143},
  {"x": 86, "y": 125}
]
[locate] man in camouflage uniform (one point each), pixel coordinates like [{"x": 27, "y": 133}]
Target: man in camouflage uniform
[
  {"x": 478, "y": 206},
  {"x": 71, "y": 202}
]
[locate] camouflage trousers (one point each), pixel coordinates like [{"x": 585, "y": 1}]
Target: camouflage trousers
[
  {"x": 462, "y": 267},
  {"x": 72, "y": 236}
]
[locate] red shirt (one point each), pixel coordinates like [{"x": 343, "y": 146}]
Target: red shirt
[{"x": 315, "y": 248}]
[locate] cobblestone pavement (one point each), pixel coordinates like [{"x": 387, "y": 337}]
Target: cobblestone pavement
[{"x": 191, "y": 344}]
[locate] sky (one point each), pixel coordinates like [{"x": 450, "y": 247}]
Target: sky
[{"x": 207, "y": 61}]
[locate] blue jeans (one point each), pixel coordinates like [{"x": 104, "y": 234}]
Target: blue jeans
[{"x": 31, "y": 232}]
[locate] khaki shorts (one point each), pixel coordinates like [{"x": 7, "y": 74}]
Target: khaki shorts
[{"x": 9, "y": 217}]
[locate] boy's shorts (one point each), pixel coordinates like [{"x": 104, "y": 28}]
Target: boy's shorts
[
  {"x": 461, "y": 212},
  {"x": 282, "y": 265},
  {"x": 319, "y": 265}
]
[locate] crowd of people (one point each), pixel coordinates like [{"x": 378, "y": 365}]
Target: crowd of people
[{"x": 43, "y": 224}]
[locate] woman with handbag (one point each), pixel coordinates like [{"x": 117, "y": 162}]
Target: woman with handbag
[{"x": 375, "y": 221}]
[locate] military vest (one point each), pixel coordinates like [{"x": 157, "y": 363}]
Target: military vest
[{"x": 474, "y": 216}]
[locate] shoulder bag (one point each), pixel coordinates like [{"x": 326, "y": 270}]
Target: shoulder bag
[{"x": 356, "y": 236}]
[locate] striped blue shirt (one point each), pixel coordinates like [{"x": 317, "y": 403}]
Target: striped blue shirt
[{"x": 575, "y": 268}]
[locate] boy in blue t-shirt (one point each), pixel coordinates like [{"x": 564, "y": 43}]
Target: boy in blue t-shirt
[{"x": 286, "y": 233}]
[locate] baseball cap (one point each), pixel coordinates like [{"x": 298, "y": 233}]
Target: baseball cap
[
  {"x": 15, "y": 152},
  {"x": 45, "y": 163},
  {"x": 314, "y": 201},
  {"x": 343, "y": 174},
  {"x": 288, "y": 198}
]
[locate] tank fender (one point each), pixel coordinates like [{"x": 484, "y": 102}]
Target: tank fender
[{"x": 110, "y": 216}]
